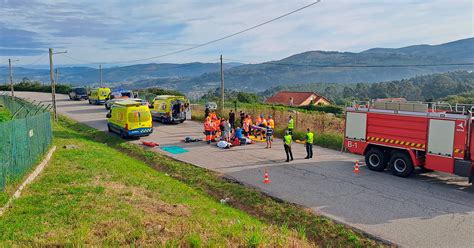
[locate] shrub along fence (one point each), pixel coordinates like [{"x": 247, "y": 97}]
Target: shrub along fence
[{"x": 24, "y": 139}]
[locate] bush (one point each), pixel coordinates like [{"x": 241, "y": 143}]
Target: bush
[
  {"x": 328, "y": 139},
  {"x": 37, "y": 87},
  {"x": 333, "y": 109}
]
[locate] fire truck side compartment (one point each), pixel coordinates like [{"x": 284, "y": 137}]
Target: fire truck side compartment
[{"x": 356, "y": 124}]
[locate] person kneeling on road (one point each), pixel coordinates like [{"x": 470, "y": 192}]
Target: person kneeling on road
[
  {"x": 309, "y": 144},
  {"x": 287, "y": 139}
]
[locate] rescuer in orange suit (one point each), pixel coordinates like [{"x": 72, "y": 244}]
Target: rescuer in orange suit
[
  {"x": 208, "y": 129},
  {"x": 213, "y": 128},
  {"x": 271, "y": 122}
]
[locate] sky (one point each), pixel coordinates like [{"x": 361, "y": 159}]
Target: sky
[{"x": 111, "y": 32}]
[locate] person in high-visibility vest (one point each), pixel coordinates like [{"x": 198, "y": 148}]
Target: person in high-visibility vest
[
  {"x": 271, "y": 122},
  {"x": 291, "y": 125},
  {"x": 287, "y": 139},
  {"x": 309, "y": 144},
  {"x": 208, "y": 129},
  {"x": 214, "y": 128}
]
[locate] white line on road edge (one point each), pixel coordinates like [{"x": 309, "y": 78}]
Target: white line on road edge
[{"x": 28, "y": 180}]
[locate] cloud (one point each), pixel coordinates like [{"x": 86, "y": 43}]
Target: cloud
[
  {"x": 18, "y": 38},
  {"x": 111, "y": 30}
]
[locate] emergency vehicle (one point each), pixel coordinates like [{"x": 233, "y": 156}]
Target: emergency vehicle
[
  {"x": 130, "y": 119},
  {"x": 99, "y": 95},
  {"x": 405, "y": 135},
  {"x": 169, "y": 109}
]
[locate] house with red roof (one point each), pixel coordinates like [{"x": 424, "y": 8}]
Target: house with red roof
[{"x": 297, "y": 99}]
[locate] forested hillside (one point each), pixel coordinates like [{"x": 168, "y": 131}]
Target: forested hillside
[{"x": 419, "y": 88}]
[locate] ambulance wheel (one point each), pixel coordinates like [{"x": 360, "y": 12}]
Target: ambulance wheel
[
  {"x": 401, "y": 165},
  {"x": 376, "y": 160}
]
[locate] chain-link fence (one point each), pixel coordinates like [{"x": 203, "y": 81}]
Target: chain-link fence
[{"x": 24, "y": 139}]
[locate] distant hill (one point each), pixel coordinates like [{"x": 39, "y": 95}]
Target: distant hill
[
  {"x": 88, "y": 75},
  {"x": 305, "y": 67},
  {"x": 429, "y": 87},
  {"x": 308, "y": 67}
]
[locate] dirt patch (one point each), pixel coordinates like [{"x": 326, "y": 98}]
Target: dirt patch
[{"x": 145, "y": 200}]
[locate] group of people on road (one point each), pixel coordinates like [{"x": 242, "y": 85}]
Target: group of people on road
[{"x": 261, "y": 128}]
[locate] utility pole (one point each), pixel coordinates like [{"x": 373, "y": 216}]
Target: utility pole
[
  {"x": 222, "y": 87},
  {"x": 100, "y": 71},
  {"x": 53, "y": 84},
  {"x": 57, "y": 73},
  {"x": 11, "y": 75}
]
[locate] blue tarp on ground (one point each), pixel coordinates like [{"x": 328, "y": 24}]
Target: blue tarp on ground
[{"x": 174, "y": 149}]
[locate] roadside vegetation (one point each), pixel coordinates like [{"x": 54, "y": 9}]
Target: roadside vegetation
[
  {"x": 275, "y": 218},
  {"x": 96, "y": 195},
  {"x": 5, "y": 115},
  {"x": 26, "y": 85}
]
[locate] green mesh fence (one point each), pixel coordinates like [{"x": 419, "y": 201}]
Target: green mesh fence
[{"x": 24, "y": 139}]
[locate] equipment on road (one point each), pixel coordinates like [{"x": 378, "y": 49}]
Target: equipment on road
[
  {"x": 266, "y": 178},
  {"x": 356, "y": 167},
  {"x": 170, "y": 109},
  {"x": 150, "y": 143},
  {"x": 130, "y": 119},
  {"x": 99, "y": 95},
  {"x": 405, "y": 135}
]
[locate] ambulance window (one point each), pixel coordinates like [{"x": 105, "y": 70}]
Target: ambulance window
[{"x": 139, "y": 116}]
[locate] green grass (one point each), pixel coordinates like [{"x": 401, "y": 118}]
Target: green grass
[
  {"x": 329, "y": 140},
  {"x": 5, "y": 115},
  {"x": 288, "y": 219},
  {"x": 96, "y": 195}
]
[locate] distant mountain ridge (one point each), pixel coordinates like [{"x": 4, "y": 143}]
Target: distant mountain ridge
[
  {"x": 310, "y": 67},
  {"x": 87, "y": 75},
  {"x": 307, "y": 67}
]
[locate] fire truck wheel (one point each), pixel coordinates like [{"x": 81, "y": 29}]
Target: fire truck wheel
[
  {"x": 376, "y": 160},
  {"x": 401, "y": 165}
]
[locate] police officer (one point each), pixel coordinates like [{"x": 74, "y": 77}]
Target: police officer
[
  {"x": 309, "y": 144},
  {"x": 291, "y": 125},
  {"x": 287, "y": 139}
]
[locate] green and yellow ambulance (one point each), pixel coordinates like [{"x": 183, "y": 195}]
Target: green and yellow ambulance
[{"x": 130, "y": 119}]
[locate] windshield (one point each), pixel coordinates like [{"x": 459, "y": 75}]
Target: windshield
[
  {"x": 139, "y": 116},
  {"x": 127, "y": 94},
  {"x": 81, "y": 91}
]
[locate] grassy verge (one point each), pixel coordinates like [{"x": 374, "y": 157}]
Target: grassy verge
[
  {"x": 316, "y": 229},
  {"x": 5, "y": 115},
  {"x": 95, "y": 195}
]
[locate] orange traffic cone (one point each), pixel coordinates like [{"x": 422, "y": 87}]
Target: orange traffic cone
[
  {"x": 266, "y": 178},
  {"x": 356, "y": 167}
]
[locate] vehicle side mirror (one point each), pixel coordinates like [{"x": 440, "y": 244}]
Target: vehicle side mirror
[{"x": 108, "y": 115}]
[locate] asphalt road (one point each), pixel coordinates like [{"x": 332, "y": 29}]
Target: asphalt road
[{"x": 425, "y": 210}]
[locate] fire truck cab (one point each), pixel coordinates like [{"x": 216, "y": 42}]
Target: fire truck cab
[{"x": 404, "y": 135}]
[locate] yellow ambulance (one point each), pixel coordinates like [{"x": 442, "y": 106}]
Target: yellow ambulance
[
  {"x": 130, "y": 119},
  {"x": 169, "y": 109},
  {"x": 99, "y": 95}
]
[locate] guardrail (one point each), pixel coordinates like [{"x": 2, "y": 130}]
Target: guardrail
[{"x": 24, "y": 139}]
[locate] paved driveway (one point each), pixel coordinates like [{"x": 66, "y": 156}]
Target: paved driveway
[{"x": 425, "y": 210}]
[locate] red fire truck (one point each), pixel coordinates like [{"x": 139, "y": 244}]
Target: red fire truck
[{"x": 404, "y": 135}]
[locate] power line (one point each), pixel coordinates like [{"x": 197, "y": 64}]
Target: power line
[
  {"x": 35, "y": 61},
  {"x": 209, "y": 42}
]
